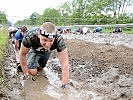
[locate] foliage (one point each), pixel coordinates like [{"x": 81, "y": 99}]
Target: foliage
[
  {"x": 3, "y": 42},
  {"x": 3, "y": 18},
  {"x": 85, "y": 12},
  {"x": 34, "y": 18}
]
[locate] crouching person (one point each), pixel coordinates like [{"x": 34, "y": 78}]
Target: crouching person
[
  {"x": 36, "y": 48},
  {"x": 117, "y": 30},
  {"x": 18, "y": 39}
]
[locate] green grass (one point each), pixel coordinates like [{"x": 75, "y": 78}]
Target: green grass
[
  {"x": 109, "y": 29},
  {"x": 3, "y": 43},
  {"x": 124, "y": 30}
]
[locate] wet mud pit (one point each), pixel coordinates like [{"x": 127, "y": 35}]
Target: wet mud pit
[{"x": 101, "y": 68}]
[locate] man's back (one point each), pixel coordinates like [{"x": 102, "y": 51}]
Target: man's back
[{"x": 18, "y": 35}]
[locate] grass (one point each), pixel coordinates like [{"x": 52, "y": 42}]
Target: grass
[
  {"x": 3, "y": 43},
  {"x": 109, "y": 29},
  {"x": 124, "y": 30}
]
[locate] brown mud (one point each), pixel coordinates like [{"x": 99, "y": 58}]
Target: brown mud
[{"x": 98, "y": 71}]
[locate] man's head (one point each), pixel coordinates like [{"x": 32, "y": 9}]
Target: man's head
[
  {"x": 47, "y": 34},
  {"x": 23, "y": 30}
]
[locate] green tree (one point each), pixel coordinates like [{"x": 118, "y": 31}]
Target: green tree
[
  {"x": 34, "y": 18},
  {"x": 118, "y": 7},
  {"x": 52, "y": 15},
  {"x": 65, "y": 9},
  {"x": 3, "y": 18}
]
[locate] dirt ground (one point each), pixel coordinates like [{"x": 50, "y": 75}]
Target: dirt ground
[{"x": 103, "y": 70}]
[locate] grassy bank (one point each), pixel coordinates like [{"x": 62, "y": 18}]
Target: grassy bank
[
  {"x": 3, "y": 45},
  {"x": 124, "y": 30}
]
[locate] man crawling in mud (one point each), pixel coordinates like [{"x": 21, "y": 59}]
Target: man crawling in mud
[{"x": 36, "y": 48}]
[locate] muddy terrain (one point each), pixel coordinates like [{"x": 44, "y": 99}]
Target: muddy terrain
[{"x": 101, "y": 68}]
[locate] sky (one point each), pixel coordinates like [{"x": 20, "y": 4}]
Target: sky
[{"x": 20, "y": 9}]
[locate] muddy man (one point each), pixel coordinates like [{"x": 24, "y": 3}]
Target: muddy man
[{"x": 36, "y": 48}]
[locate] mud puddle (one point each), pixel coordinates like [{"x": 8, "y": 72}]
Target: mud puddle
[
  {"x": 110, "y": 38},
  {"x": 98, "y": 72},
  {"x": 48, "y": 86}
]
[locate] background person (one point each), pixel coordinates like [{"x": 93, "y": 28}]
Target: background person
[
  {"x": 98, "y": 29},
  {"x": 117, "y": 30},
  {"x": 11, "y": 31},
  {"x": 17, "y": 43}
]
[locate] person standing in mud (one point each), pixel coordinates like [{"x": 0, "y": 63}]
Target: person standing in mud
[
  {"x": 17, "y": 42},
  {"x": 36, "y": 48}
]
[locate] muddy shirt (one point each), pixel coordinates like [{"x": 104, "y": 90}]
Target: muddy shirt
[{"x": 31, "y": 40}]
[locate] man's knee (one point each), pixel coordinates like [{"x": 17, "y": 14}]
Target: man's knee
[
  {"x": 33, "y": 72},
  {"x": 39, "y": 68}
]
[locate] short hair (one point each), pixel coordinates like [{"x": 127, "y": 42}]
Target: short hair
[
  {"x": 23, "y": 29},
  {"x": 48, "y": 27}
]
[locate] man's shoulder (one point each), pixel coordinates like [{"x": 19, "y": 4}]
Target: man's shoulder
[
  {"x": 59, "y": 43},
  {"x": 31, "y": 38},
  {"x": 58, "y": 37},
  {"x": 33, "y": 32},
  {"x": 18, "y": 34}
]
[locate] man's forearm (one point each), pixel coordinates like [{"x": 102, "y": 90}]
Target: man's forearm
[
  {"x": 65, "y": 74},
  {"x": 63, "y": 57},
  {"x": 16, "y": 45},
  {"x": 23, "y": 63},
  {"x": 16, "y": 48}
]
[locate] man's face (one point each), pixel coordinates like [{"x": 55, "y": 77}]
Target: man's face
[
  {"x": 46, "y": 42},
  {"x": 24, "y": 33}
]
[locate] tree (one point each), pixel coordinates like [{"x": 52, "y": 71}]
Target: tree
[
  {"x": 118, "y": 7},
  {"x": 51, "y": 14},
  {"x": 65, "y": 9},
  {"x": 3, "y": 18},
  {"x": 34, "y": 18}
]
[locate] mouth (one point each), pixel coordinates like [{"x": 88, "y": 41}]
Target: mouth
[{"x": 47, "y": 48}]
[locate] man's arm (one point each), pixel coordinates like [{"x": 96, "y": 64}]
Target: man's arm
[
  {"x": 16, "y": 44},
  {"x": 22, "y": 56},
  {"x": 63, "y": 57}
]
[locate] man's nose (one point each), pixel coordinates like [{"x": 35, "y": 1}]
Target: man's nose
[{"x": 48, "y": 43}]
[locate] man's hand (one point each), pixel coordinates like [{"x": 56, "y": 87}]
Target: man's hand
[
  {"x": 65, "y": 86},
  {"x": 26, "y": 76}
]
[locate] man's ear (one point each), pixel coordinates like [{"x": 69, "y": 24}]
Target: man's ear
[{"x": 38, "y": 35}]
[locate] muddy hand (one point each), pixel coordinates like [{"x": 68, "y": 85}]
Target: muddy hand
[
  {"x": 26, "y": 76},
  {"x": 65, "y": 86}
]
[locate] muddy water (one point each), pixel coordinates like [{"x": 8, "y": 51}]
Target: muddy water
[
  {"x": 35, "y": 90},
  {"x": 50, "y": 88},
  {"x": 110, "y": 85},
  {"x": 110, "y": 38},
  {"x": 46, "y": 87}
]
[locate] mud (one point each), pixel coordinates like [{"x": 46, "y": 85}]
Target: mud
[{"x": 101, "y": 68}]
